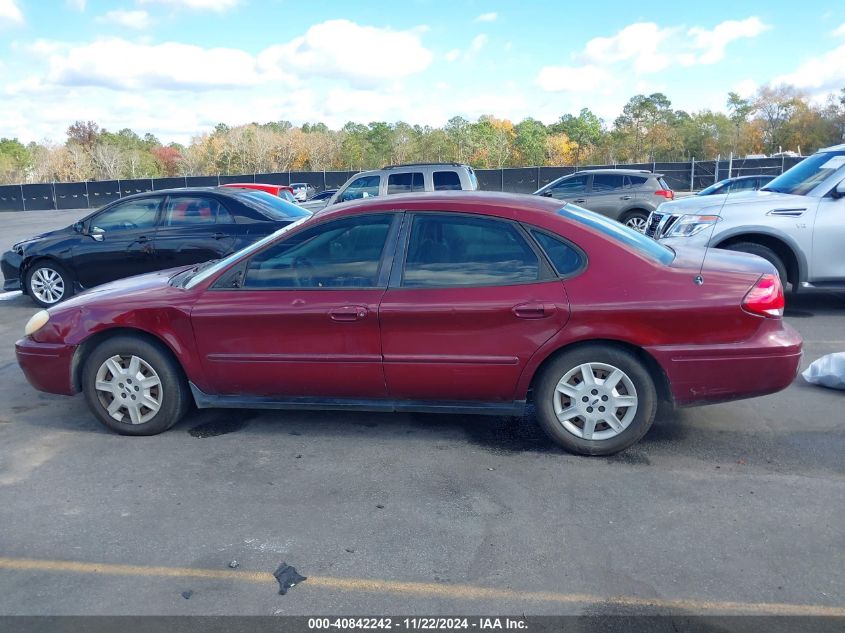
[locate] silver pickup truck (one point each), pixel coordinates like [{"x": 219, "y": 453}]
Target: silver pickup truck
[{"x": 796, "y": 222}]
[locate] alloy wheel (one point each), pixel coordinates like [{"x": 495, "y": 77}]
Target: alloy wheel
[
  {"x": 637, "y": 223},
  {"x": 129, "y": 389},
  {"x": 595, "y": 401},
  {"x": 47, "y": 285}
]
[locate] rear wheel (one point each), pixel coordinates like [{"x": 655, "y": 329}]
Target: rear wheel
[
  {"x": 47, "y": 283},
  {"x": 134, "y": 387},
  {"x": 595, "y": 400},
  {"x": 637, "y": 220},
  {"x": 762, "y": 251}
]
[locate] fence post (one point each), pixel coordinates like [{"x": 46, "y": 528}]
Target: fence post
[
  {"x": 119, "y": 190},
  {"x": 692, "y": 175},
  {"x": 53, "y": 190},
  {"x": 87, "y": 196},
  {"x": 731, "y": 165},
  {"x": 716, "y": 169},
  {"x": 782, "y": 162},
  {"x": 23, "y": 200}
]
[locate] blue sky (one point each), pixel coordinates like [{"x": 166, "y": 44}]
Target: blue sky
[{"x": 177, "y": 67}]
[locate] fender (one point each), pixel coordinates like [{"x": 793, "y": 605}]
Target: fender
[{"x": 750, "y": 229}]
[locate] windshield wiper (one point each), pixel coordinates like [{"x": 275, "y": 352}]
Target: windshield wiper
[{"x": 196, "y": 269}]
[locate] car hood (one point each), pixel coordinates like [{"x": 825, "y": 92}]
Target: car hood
[
  {"x": 723, "y": 204},
  {"x": 140, "y": 287},
  {"x": 68, "y": 230}
]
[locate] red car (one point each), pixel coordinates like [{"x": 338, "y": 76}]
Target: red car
[
  {"x": 454, "y": 302},
  {"x": 282, "y": 191}
]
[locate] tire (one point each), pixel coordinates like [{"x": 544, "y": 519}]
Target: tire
[
  {"x": 48, "y": 283},
  {"x": 637, "y": 220},
  {"x": 151, "y": 364},
  {"x": 632, "y": 421},
  {"x": 762, "y": 251}
]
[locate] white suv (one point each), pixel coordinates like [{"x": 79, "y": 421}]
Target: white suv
[
  {"x": 407, "y": 179},
  {"x": 796, "y": 222}
]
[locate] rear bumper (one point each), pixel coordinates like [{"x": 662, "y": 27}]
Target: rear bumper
[
  {"x": 764, "y": 364},
  {"x": 47, "y": 366},
  {"x": 10, "y": 264}
]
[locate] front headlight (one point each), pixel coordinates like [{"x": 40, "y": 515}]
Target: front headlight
[
  {"x": 689, "y": 225},
  {"x": 38, "y": 321}
]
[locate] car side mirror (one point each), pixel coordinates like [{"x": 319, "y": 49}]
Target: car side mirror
[
  {"x": 97, "y": 233},
  {"x": 548, "y": 193},
  {"x": 79, "y": 227},
  {"x": 839, "y": 191}
]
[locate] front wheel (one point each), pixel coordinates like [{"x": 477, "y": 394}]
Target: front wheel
[
  {"x": 595, "y": 400},
  {"x": 134, "y": 387},
  {"x": 762, "y": 251},
  {"x": 47, "y": 283}
]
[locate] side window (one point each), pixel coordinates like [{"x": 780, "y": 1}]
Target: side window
[
  {"x": 458, "y": 251},
  {"x": 191, "y": 210},
  {"x": 607, "y": 182},
  {"x": 340, "y": 254},
  {"x": 128, "y": 216},
  {"x": 565, "y": 259},
  {"x": 748, "y": 184},
  {"x": 635, "y": 181},
  {"x": 576, "y": 184},
  {"x": 405, "y": 183},
  {"x": 363, "y": 187},
  {"x": 447, "y": 181}
]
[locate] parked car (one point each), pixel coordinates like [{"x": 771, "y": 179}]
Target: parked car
[
  {"x": 285, "y": 192},
  {"x": 736, "y": 184},
  {"x": 795, "y": 222},
  {"x": 302, "y": 191},
  {"x": 407, "y": 178},
  {"x": 456, "y": 302},
  {"x": 139, "y": 234},
  {"x": 626, "y": 195},
  {"x": 318, "y": 200}
]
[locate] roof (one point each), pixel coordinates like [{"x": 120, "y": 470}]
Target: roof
[
  {"x": 610, "y": 170},
  {"x": 494, "y": 203},
  {"x": 833, "y": 148}
]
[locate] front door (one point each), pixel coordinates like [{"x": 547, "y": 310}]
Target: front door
[
  {"x": 472, "y": 303},
  {"x": 304, "y": 322},
  {"x": 828, "y": 258},
  {"x": 119, "y": 242}
]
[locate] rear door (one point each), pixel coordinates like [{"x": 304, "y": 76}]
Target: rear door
[
  {"x": 193, "y": 229},
  {"x": 405, "y": 182},
  {"x": 469, "y": 305},
  {"x": 607, "y": 195},
  {"x": 119, "y": 242}
]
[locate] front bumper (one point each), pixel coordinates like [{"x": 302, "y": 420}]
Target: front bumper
[
  {"x": 10, "y": 264},
  {"x": 47, "y": 366},
  {"x": 766, "y": 363}
]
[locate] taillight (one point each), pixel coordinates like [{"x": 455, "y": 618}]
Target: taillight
[
  {"x": 666, "y": 193},
  {"x": 765, "y": 297}
]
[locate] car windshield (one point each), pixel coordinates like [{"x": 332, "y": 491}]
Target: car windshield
[
  {"x": 807, "y": 174},
  {"x": 716, "y": 186},
  {"x": 272, "y": 206},
  {"x": 619, "y": 232},
  {"x": 201, "y": 273}
]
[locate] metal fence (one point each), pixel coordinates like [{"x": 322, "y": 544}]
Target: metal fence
[{"x": 687, "y": 176}]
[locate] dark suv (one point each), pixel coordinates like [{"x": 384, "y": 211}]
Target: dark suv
[{"x": 626, "y": 195}]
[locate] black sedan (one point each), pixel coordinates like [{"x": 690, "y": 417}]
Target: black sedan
[{"x": 142, "y": 233}]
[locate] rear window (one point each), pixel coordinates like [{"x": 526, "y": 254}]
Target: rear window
[
  {"x": 635, "y": 181},
  {"x": 405, "y": 183},
  {"x": 272, "y": 207},
  {"x": 446, "y": 181},
  {"x": 607, "y": 182},
  {"x": 619, "y": 232}
]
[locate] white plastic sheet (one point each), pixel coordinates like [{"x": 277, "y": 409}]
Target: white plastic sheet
[{"x": 827, "y": 371}]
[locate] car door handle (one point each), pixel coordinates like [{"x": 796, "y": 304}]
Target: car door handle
[
  {"x": 348, "y": 313},
  {"x": 219, "y": 235},
  {"x": 143, "y": 239},
  {"x": 625, "y": 197},
  {"x": 534, "y": 310},
  {"x": 579, "y": 200}
]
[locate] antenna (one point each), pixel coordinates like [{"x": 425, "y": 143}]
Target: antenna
[{"x": 699, "y": 278}]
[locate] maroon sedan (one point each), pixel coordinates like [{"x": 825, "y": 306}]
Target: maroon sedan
[{"x": 454, "y": 302}]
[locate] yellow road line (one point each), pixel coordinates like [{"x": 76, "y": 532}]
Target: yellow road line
[{"x": 427, "y": 590}]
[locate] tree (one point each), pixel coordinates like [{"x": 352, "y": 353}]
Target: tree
[
  {"x": 585, "y": 130},
  {"x": 530, "y": 142},
  {"x": 646, "y": 119},
  {"x": 84, "y": 133},
  {"x": 774, "y": 107}
]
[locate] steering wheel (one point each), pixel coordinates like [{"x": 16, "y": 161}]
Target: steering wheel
[{"x": 304, "y": 271}]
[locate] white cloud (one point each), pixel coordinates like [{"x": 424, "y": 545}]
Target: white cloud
[
  {"x": 475, "y": 46},
  {"x": 839, "y": 31},
  {"x": 453, "y": 55},
  {"x": 820, "y": 74},
  {"x": 10, "y": 13},
  {"x": 78, "y": 5},
  {"x": 119, "y": 64},
  {"x": 363, "y": 55},
  {"x": 745, "y": 88},
  {"x": 128, "y": 19},
  {"x": 713, "y": 42},
  {"x": 637, "y": 43},
  {"x": 487, "y": 17},
  {"x": 571, "y": 78},
  {"x": 197, "y": 5}
]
